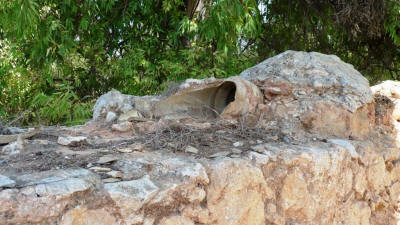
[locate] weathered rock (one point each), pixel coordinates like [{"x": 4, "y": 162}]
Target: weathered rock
[
  {"x": 110, "y": 180},
  {"x": 18, "y": 133},
  {"x": 111, "y": 116},
  {"x": 176, "y": 220},
  {"x": 191, "y": 149},
  {"x": 315, "y": 92},
  {"x": 115, "y": 174},
  {"x": 389, "y": 88},
  {"x": 71, "y": 141},
  {"x": 147, "y": 127},
  {"x": 236, "y": 151},
  {"x": 100, "y": 169},
  {"x": 236, "y": 195},
  {"x": 6, "y": 182},
  {"x": 107, "y": 159},
  {"x": 130, "y": 116},
  {"x": 131, "y": 196},
  {"x": 84, "y": 216},
  {"x": 296, "y": 201},
  {"x": 43, "y": 197},
  {"x": 219, "y": 154},
  {"x": 125, "y": 150},
  {"x": 387, "y": 107},
  {"x": 122, "y": 127},
  {"x": 238, "y": 144},
  {"x": 14, "y": 147},
  {"x": 112, "y": 101}
]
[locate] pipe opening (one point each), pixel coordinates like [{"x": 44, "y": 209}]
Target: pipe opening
[{"x": 224, "y": 95}]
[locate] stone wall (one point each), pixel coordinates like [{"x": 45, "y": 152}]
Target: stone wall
[{"x": 327, "y": 159}]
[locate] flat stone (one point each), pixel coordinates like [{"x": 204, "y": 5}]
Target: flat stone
[
  {"x": 71, "y": 141},
  {"x": 125, "y": 150},
  {"x": 107, "y": 159},
  {"x": 100, "y": 169},
  {"x": 136, "y": 192},
  {"x": 191, "y": 149},
  {"x": 40, "y": 142},
  {"x": 111, "y": 180},
  {"x": 236, "y": 151},
  {"x": 62, "y": 187},
  {"x": 219, "y": 154},
  {"x": 347, "y": 145},
  {"x": 6, "y": 182}
]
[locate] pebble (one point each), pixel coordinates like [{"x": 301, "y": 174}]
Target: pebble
[
  {"x": 125, "y": 150},
  {"x": 235, "y": 156},
  {"x": 114, "y": 173},
  {"x": 100, "y": 169},
  {"x": 238, "y": 144},
  {"x": 191, "y": 149},
  {"x": 301, "y": 93},
  {"x": 259, "y": 142}
]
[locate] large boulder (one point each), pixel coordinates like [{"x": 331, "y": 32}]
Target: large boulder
[{"x": 313, "y": 92}]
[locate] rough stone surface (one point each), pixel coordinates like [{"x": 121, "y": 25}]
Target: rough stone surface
[
  {"x": 14, "y": 147},
  {"x": 111, "y": 116},
  {"x": 71, "y": 141},
  {"x": 6, "y": 182},
  {"x": 388, "y": 113},
  {"x": 317, "y": 155},
  {"x": 112, "y": 101},
  {"x": 130, "y": 115},
  {"x": 313, "y": 92}
]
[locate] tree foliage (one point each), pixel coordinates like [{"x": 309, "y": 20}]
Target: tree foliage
[{"x": 57, "y": 56}]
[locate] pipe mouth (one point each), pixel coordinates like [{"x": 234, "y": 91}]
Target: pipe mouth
[
  {"x": 225, "y": 99},
  {"x": 207, "y": 102},
  {"x": 224, "y": 95}
]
